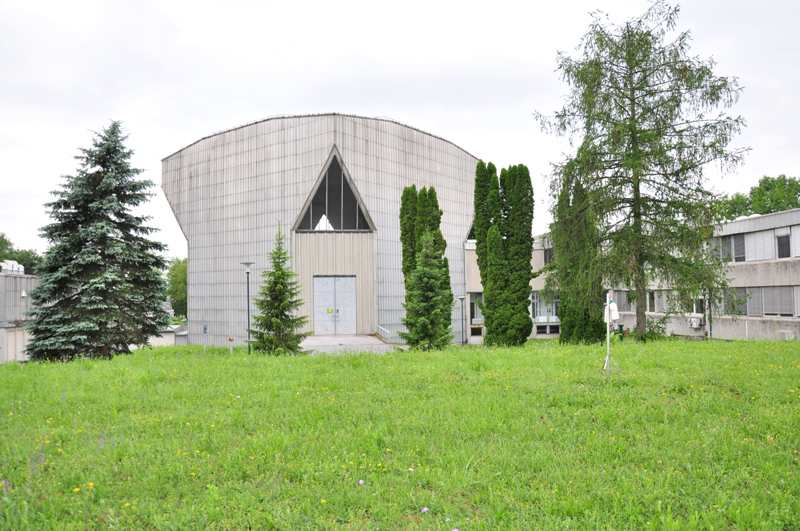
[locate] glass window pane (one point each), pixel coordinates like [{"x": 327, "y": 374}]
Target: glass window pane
[
  {"x": 754, "y": 302},
  {"x": 784, "y": 250},
  {"x": 738, "y": 248}
]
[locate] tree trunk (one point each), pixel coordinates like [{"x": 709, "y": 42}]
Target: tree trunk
[{"x": 639, "y": 280}]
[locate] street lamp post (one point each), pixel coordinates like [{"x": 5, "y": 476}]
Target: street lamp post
[
  {"x": 463, "y": 318},
  {"x": 247, "y": 300}
]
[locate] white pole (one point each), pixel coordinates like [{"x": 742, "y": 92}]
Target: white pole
[{"x": 607, "y": 364}]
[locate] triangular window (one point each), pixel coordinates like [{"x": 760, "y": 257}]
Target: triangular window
[{"x": 334, "y": 206}]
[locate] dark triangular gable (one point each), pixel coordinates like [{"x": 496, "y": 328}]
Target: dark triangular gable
[{"x": 334, "y": 204}]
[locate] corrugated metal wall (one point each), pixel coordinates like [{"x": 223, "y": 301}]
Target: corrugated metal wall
[
  {"x": 760, "y": 245},
  {"x": 13, "y": 306},
  {"x": 231, "y": 191},
  {"x": 338, "y": 253}
]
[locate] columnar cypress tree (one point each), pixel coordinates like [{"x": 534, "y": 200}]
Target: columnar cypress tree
[
  {"x": 486, "y": 201},
  {"x": 507, "y": 208},
  {"x": 575, "y": 272},
  {"x": 496, "y": 308},
  {"x": 427, "y": 308},
  {"x": 276, "y": 325},
  {"x": 518, "y": 195},
  {"x": 101, "y": 285},
  {"x": 423, "y": 214},
  {"x": 408, "y": 232},
  {"x": 434, "y": 223}
]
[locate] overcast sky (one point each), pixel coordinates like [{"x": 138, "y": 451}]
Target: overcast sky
[{"x": 470, "y": 72}]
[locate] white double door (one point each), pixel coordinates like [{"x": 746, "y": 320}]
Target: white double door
[{"x": 334, "y": 305}]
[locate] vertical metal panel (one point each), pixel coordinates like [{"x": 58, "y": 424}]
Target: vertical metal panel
[
  {"x": 795, "y": 240},
  {"x": 759, "y": 245},
  {"x": 230, "y": 193},
  {"x": 337, "y": 253}
]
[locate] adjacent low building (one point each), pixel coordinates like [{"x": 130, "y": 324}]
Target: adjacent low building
[
  {"x": 763, "y": 255},
  {"x": 15, "y": 304}
]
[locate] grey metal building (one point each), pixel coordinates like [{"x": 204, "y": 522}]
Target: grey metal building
[
  {"x": 763, "y": 255},
  {"x": 15, "y": 305},
  {"x": 332, "y": 182}
]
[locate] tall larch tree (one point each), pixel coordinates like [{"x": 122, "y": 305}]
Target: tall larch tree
[
  {"x": 277, "y": 324},
  {"x": 101, "y": 284},
  {"x": 650, "y": 117}
]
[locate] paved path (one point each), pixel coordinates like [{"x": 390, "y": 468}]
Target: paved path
[{"x": 328, "y": 344}]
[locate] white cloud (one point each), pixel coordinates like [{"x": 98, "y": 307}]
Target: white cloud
[{"x": 472, "y": 72}]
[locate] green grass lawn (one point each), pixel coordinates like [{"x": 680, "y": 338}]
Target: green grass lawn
[{"x": 686, "y": 434}]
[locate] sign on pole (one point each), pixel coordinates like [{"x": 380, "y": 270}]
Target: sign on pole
[{"x": 610, "y": 315}]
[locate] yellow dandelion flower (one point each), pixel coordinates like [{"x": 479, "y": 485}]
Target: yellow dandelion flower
[
  {"x": 76, "y": 490},
  {"x": 90, "y": 485},
  {"x": 323, "y": 501}
]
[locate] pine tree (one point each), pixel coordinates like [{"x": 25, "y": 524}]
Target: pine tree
[
  {"x": 408, "y": 220},
  {"x": 276, "y": 325},
  {"x": 427, "y": 317},
  {"x": 575, "y": 272},
  {"x": 101, "y": 285}
]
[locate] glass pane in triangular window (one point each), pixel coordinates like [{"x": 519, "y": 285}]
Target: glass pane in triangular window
[{"x": 334, "y": 206}]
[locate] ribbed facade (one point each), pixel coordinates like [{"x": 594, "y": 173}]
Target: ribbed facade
[{"x": 231, "y": 191}]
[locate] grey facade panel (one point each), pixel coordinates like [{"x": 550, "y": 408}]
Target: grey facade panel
[{"x": 231, "y": 191}]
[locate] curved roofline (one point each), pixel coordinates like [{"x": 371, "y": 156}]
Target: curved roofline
[{"x": 317, "y": 115}]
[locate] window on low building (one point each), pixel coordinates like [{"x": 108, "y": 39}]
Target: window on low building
[
  {"x": 725, "y": 247},
  {"x": 651, "y": 301},
  {"x": 738, "y": 248},
  {"x": 779, "y": 300},
  {"x": 784, "y": 246},
  {"x": 735, "y": 301},
  {"x": 623, "y": 304},
  {"x": 548, "y": 255},
  {"x": 755, "y": 302}
]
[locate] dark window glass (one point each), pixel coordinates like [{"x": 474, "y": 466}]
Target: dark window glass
[
  {"x": 334, "y": 206},
  {"x": 738, "y": 248},
  {"x": 554, "y": 329},
  {"x": 541, "y": 329},
  {"x": 784, "y": 248},
  {"x": 651, "y": 301},
  {"x": 548, "y": 255}
]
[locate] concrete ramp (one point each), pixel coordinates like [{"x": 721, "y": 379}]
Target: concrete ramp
[{"x": 344, "y": 343}]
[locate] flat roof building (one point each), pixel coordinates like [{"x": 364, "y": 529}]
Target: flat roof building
[{"x": 763, "y": 265}]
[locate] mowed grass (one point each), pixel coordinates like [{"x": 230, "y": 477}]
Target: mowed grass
[{"x": 685, "y": 434}]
